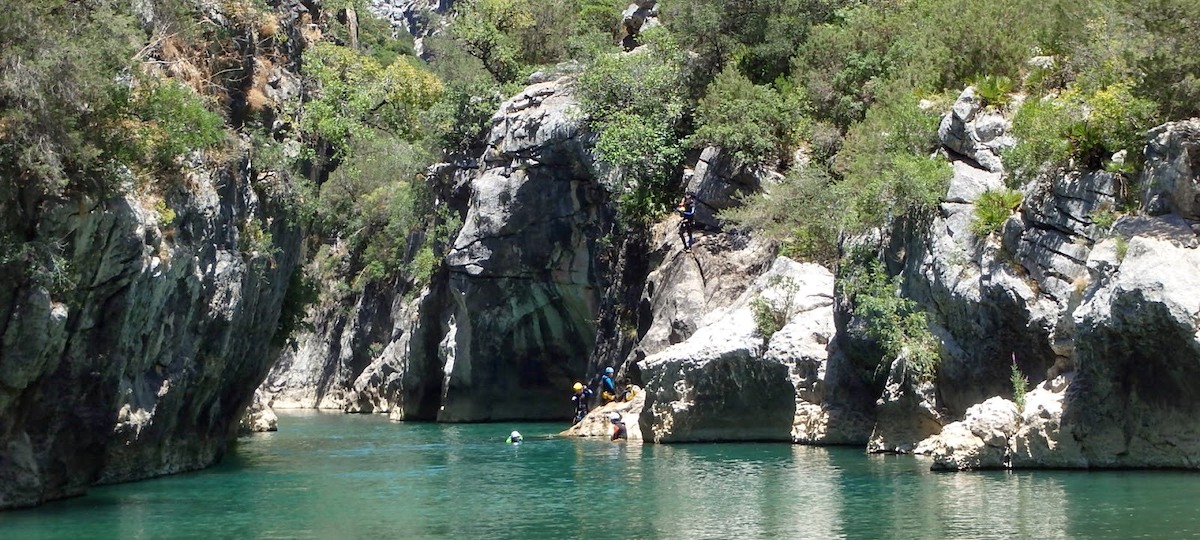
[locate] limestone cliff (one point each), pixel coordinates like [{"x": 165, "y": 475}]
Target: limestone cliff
[
  {"x": 135, "y": 355},
  {"x": 510, "y": 321},
  {"x": 1105, "y": 315}
]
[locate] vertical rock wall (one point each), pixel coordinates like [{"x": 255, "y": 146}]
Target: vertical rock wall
[{"x": 144, "y": 366}]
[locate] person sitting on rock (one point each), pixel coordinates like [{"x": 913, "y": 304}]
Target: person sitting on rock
[
  {"x": 687, "y": 210},
  {"x": 581, "y": 397},
  {"x": 619, "y": 430},
  {"x": 514, "y": 438},
  {"x": 608, "y": 388}
]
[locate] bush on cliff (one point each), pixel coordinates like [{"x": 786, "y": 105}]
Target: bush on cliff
[
  {"x": 755, "y": 123},
  {"x": 898, "y": 324},
  {"x": 636, "y": 104}
]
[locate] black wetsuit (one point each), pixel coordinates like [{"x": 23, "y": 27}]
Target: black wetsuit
[
  {"x": 687, "y": 209},
  {"x": 581, "y": 403}
]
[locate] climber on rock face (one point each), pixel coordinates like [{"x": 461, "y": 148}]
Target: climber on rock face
[
  {"x": 687, "y": 210},
  {"x": 580, "y": 398}
]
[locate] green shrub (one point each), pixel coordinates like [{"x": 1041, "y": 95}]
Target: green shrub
[
  {"x": 884, "y": 165},
  {"x": 771, "y": 315},
  {"x": 753, "y": 122},
  {"x": 648, "y": 152},
  {"x": 1040, "y": 127},
  {"x": 1085, "y": 126},
  {"x": 803, "y": 213},
  {"x": 992, "y": 209},
  {"x": 173, "y": 120},
  {"x": 995, "y": 89},
  {"x": 1019, "y": 385},
  {"x": 767, "y": 319},
  {"x": 898, "y": 324},
  {"x": 635, "y": 103}
]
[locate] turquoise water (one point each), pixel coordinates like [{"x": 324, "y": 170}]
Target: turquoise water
[{"x": 354, "y": 476}]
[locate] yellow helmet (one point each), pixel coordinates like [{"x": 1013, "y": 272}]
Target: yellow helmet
[{"x": 578, "y": 386}]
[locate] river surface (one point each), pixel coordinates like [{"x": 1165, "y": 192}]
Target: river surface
[{"x": 355, "y": 476}]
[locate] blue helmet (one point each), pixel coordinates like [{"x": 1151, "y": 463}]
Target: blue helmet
[{"x": 608, "y": 371}]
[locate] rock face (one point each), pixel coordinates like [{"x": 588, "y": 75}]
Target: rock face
[
  {"x": 258, "y": 417},
  {"x": 510, "y": 321},
  {"x": 1102, "y": 320},
  {"x": 719, "y": 384},
  {"x": 162, "y": 339},
  {"x": 1170, "y": 178},
  {"x": 413, "y": 16},
  {"x": 524, "y": 270},
  {"x": 979, "y": 441},
  {"x": 974, "y": 132},
  {"x": 320, "y": 369}
]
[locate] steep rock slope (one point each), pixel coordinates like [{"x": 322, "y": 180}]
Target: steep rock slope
[
  {"x": 1106, "y": 316},
  {"x": 140, "y": 357}
]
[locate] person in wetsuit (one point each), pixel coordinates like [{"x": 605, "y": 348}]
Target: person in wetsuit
[
  {"x": 580, "y": 398},
  {"x": 687, "y": 210},
  {"x": 608, "y": 387},
  {"x": 619, "y": 429}
]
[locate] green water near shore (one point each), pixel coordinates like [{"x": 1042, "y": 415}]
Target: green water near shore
[{"x": 353, "y": 476}]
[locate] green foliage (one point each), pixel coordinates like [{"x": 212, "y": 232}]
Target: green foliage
[
  {"x": 899, "y": 324},
  {"x": 803, "y": 213},
  {"x": 767, "y": 320},
  {"x": 1085, "y": 126},
  {"x": 461, "y": 118},
  {"x": 1040, "y": 126},
  {"x": 848, "y": 63},
  {"x": 1104, "y": 217},
  {"x": 303, "y": 291},
  {"x": 60, "y": 99},
  {"x": 634, "y": 102},
  {"x": 170, "y": 120},
  {"x": 486, "y": 29},
  {"x": 648, "y": 152},
  {"x": 884, "y": 168},
  {"x": 1020, "y": 385},
  {"x": 753, "y": 122},
  {"x": 995, "y": 90},
  {"x": 992, "y": 209},
  {"x": 772, "y": 315},
  {"x": 358, "y": 96}
]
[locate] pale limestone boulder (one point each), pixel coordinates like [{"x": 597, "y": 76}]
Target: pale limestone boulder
[
  {"x": 597, "y": 423},
  {"x": 979, "y": 441},
  {"x": 1041, "y": 440},
  {"x": 1135, "y": 395},
  {"x": 720, "y": 384},
  {"x": 259, "y": 417},
  {"x": 974, "y": 132},
  {"x": 686, "y": 288}
]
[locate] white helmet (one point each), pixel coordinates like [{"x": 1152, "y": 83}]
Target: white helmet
[
  {"x": 515, "y": 435},
  {"x": 615, "y": 417}
]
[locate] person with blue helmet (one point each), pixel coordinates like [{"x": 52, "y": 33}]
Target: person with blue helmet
[{"x": 608, "y": 387}]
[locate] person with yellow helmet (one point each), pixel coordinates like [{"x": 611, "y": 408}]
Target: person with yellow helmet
[{"x": 581, "y": 397}]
